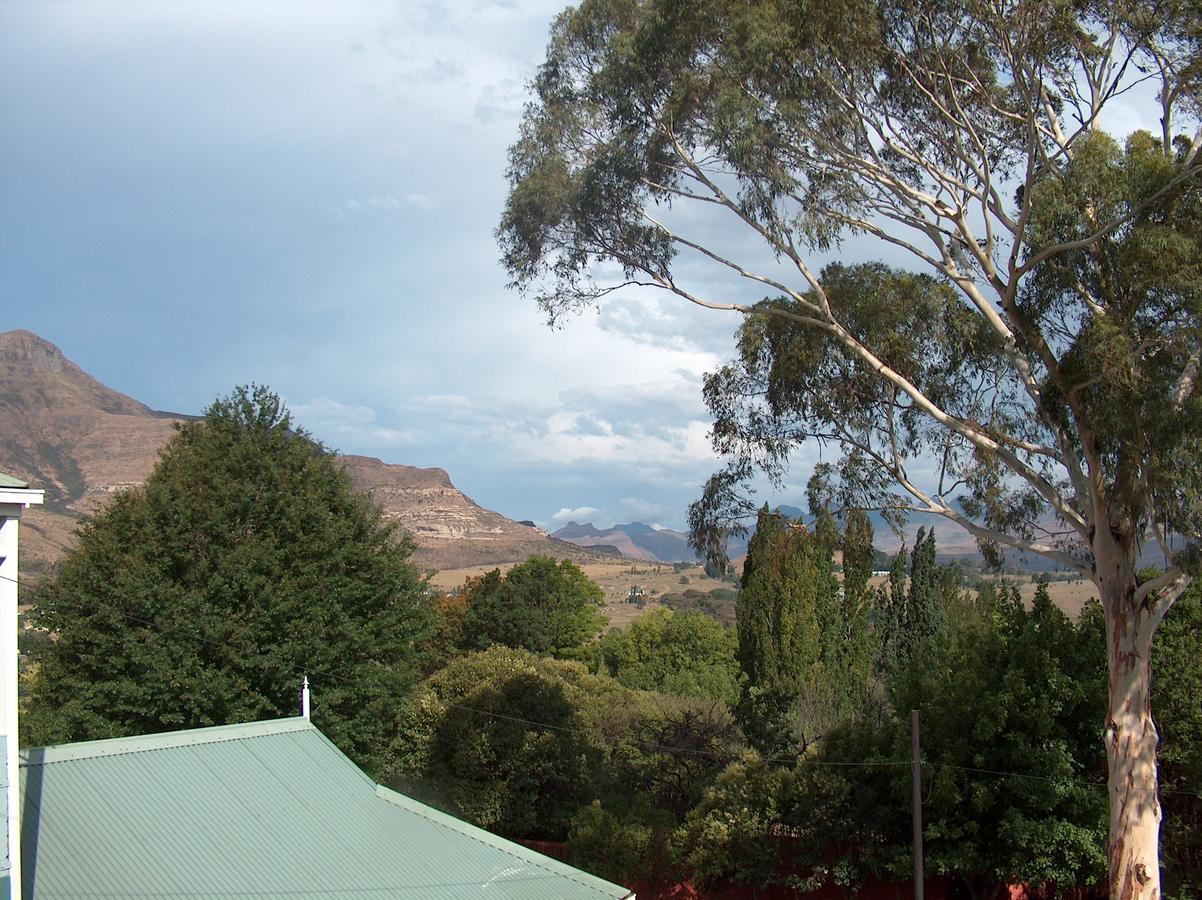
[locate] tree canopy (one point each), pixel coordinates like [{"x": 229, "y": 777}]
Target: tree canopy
[
  {"x": 200, "y": 598},
  {"x": 686, "y": 653},
  {"x": 1032, "y": 376},
  {"x": 540, "y": 605},
  {"x": 520, "y": 743},
  {"x": 805, "y": 641}
]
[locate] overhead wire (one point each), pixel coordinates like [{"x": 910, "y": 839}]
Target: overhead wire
[{"x": 651, "y": 745}]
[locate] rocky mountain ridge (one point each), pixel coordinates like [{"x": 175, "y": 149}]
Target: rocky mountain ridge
[
  {"x": 637, "y": 540},
  {"x": 79, "y": 440}
]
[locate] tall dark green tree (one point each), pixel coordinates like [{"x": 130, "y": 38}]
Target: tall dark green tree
[
  {"x": 776, "y": 613},
  {"x": 859, "y": 557},
  {"x": 1177, "y": 692},
  {"x": 892, "y": 616},
  {"x": 804, "y": 642},
  {"x": 245, "y": 560},
  {"x": 540, "y": 605},
  {"x": 922, "y": 601},
  {"x": 1045, "y": 354}
]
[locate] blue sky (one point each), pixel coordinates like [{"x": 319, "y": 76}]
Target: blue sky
[
  {"x": 197, "y": 195},
  {"x": 303, "y": 194}
]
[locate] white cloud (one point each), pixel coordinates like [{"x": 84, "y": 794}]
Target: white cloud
[
  {"x": 342, "y": 424},
  {"x": 384, "y": 204},
  {"x": 641, "y": 510},
  {"x": 578, "y": 514}
]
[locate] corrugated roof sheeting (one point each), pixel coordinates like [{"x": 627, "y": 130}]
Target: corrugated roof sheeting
[{"x": 267, "y": 809}]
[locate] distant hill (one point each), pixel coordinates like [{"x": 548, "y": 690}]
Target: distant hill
[
  {"x": 80, "y": 441},
  {"x": 639, "y": 541}
]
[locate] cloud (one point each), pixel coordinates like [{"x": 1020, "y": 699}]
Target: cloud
[
  {"x": 661, "y": 408},
  {"x": 580, "y": 514},
  {"x": 341, "y": 424},
  {"x": 641, "y": 510},
  {"x": 666, "y": 323},
  {"x": 438, "y": 71},
  {"x": 500, "y": 101},
  {"x": 385, "y": 204}
]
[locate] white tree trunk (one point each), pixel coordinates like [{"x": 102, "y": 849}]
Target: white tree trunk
[{"x": 1133, "y": 848}]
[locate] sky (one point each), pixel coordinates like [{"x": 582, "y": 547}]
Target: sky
[
  {"x": 197, "y": 195},
  {"x": 303, "y": 195}
]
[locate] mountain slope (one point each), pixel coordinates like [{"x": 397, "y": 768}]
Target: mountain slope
[
  {"x": 633, "y": 539},
  {"x": 65, "y": 432}
]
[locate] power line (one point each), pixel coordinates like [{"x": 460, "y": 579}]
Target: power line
[
  {"x": 302, "y": 670},
  {"x": 650, "y": 745}
]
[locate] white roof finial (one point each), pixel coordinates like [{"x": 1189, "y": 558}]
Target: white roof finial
[{"x": 305, "y": 697}]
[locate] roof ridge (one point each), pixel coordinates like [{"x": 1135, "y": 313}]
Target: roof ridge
[
  {"x": 160, "y": 740},
  {"x": 474, "y": 832}
]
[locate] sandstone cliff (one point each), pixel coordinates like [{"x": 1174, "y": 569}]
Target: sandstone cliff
[{"x": 64, "y": 431}]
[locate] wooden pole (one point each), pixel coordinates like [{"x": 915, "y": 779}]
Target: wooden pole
[{"x": 916, "y": 801}]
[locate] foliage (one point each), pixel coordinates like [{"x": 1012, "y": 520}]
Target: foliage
[
  {"x": 666, "y": 757},
  {"x": 719, "y": 603},
  {"x": 200, "y": 598},
  {"x": 519, "y": 743},
  {"x": 624, "y": 848},
  {"x": 777, "y": 614},
  {"x": 842, "y": 813},
  {"x": 1035, "y": 684},
  {"x": 1035, "y": 381},
  {"x": 540, "y": 605},
  {"x": 667, "y": 752},
  {"x": 687, "y": 654},
  {"x": 911, "y": 609},
  {"x": 804, "y": 644},
  {"x": 507, "y": 739},
  {"x": 859, "y": 560},
  {"x": 735, "y": 832},
  {"x": 1177, "y": 694},
  {"x": 446, "y": 638},
  {"x": 850, "y": 812}
]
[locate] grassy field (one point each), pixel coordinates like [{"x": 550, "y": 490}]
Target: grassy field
[
  {"x": 616, "y": 579},
  {"x": 656, "y": 579}
]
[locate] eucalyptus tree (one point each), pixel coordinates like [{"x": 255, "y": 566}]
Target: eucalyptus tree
[{"x": 1041, "y": 351}]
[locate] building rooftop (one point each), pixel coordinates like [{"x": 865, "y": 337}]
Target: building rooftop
[
  {"x": 8, "y": 481},
  {"x": 267, "y": 809}
]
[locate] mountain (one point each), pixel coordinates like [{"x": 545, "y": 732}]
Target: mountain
[
  {"x": 588, "y": 536},
  {"x": 79, "y": 440},
  {"x": 639, "y": 541},
  {"x": 451, "y": 530}
]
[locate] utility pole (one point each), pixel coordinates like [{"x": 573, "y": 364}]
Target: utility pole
[{"x": 916, "y": 801}]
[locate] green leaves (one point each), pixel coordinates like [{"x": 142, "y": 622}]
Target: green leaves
[
  {"x": 202, "y": 597},
  {"x": 540, "y": 605},
  {"x": 687, "y": 654}
]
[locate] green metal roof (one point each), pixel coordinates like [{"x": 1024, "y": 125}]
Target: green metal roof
[
  {"x": 7, "y": 481},
  {"x": 255, "y": 810}
]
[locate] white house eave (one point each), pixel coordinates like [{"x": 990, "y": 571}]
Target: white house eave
[{"x": 23, "y": 497}]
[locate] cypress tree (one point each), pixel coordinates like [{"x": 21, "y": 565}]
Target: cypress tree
[{"x": 922, "y": 601}]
